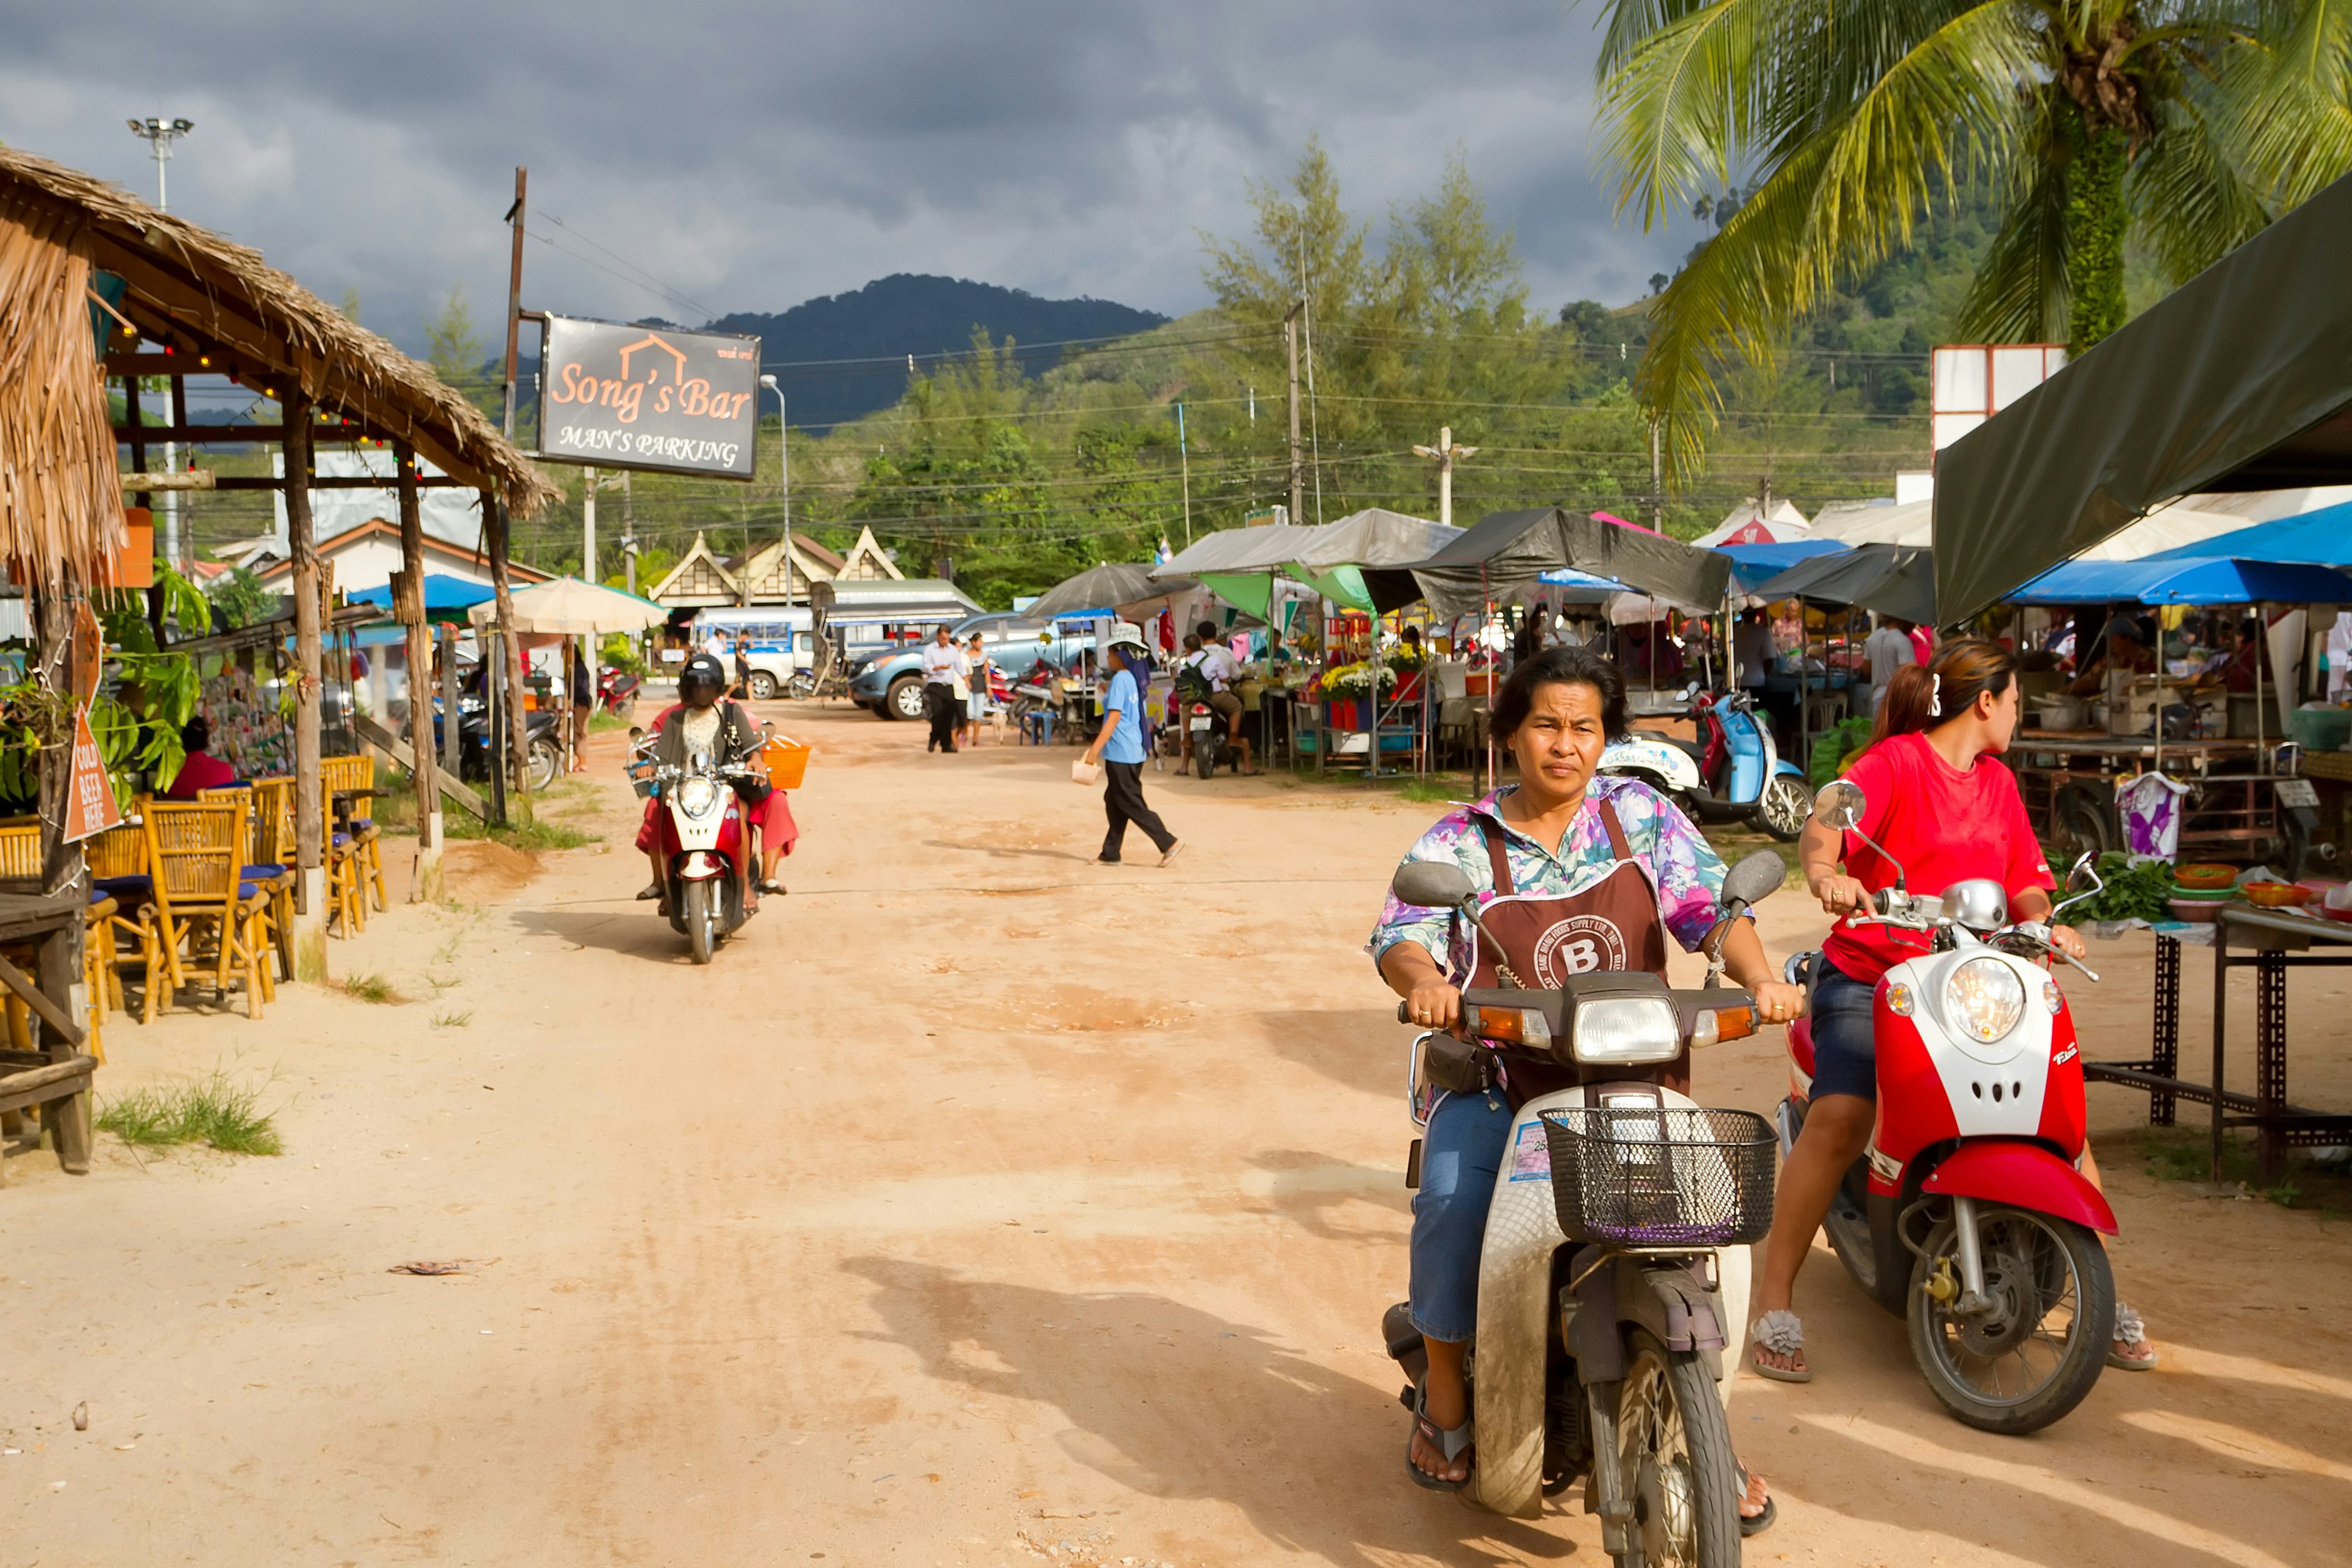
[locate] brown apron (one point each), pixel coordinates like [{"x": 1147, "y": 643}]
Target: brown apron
[{"x": 1613, "y": 925}]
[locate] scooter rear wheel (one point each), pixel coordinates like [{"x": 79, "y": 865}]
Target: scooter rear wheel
[
  {"x": 701, "y": 922},
  {"x": 1676, "y": 1448},
  {"x": 1784, "y": 809},
  {"x": 2035, "y": 1356}
]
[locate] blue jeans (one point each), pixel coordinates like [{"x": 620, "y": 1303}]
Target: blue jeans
[{"x": 1460, "y": 1155}]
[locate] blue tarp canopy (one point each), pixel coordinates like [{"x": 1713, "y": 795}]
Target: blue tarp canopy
[
  {"x": 1756, "y": 563},
  {"x": 2210, "y": 580},
  {"x": 446, "y": 598},
  {"x": 2322, "y": 537}
]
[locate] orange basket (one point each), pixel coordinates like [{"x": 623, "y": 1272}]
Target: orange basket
[{"x": 787, "y": 761}]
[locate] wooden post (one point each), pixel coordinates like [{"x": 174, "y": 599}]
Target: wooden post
[
  {"x": 518, "y": 725},
  {"x": 451, "y": 758},
  {"x": 309, "y": 805},
  {"x": 425, "y": 887},
  {"x": 58, "y": 971}
]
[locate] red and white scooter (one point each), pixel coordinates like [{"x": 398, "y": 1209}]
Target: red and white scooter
[
  {"x": 707, "y": 847},
  {"x": 1967, "y": 1215}
]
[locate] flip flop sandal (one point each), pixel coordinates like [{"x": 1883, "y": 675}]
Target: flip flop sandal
[
  {"x": 2131, "y": 1330},
  {"x": 1760, "y": 1522},
  {"x": 649, "y": 893},
  {"x": 1781, "y": 1332},
  {"x": 1453, "y": 1444},
  {"x": 770, "y": 885}
]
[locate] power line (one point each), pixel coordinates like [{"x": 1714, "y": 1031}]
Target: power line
[{"x": 649, "y": 278}]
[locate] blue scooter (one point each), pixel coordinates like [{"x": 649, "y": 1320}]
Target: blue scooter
[{"x": 1732, "y": 774}]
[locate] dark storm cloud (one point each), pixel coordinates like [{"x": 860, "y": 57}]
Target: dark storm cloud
[{"x": 749, "y": 156}]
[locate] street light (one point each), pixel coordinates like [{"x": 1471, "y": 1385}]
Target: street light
[
  {"x": 161, "y": 134},
  {"x": 785, "y": 461}
]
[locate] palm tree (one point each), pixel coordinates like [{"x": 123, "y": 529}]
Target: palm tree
[{"x": 2181, "y": 126}]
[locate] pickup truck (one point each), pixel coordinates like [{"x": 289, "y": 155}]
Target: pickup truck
[{"x": 889, "y": 682}]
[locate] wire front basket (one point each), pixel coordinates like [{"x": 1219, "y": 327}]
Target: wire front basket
[{"x": 1655, "y": 1175}]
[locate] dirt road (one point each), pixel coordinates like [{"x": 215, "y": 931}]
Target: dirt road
[{"x": 979, "y": 1201}]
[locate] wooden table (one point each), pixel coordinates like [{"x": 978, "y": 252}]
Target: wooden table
[
  {"x": 53, "y": 1081},
  {"x": 2270, "y": 944}
]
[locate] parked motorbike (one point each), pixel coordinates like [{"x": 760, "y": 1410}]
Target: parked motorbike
[
  {"x": 1734, "y": 773},
  {"x": 546, "y": 743},
  {"x": 1967, "y": 1215},
  {"x": 616, "y": 692},
  {"x": 705, "y": 846},
  {"x": 1614, "y": 1271},
  {"x": 1212, "y": 747}
]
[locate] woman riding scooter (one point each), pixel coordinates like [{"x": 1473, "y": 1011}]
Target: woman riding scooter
[
  {"x": 1948, "y": 811},
  {"x": 702, "y": 723},
  {"x": 1577, "y": 873}
]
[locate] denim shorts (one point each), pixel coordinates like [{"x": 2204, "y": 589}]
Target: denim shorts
[{"x": 1845, "y": 1058}]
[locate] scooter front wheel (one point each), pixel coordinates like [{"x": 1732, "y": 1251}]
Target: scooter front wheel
[
  {"x": 2035, "y": 1355},
  {"x": 1784, "y": 809},
  {"x": 701, "y": 921},
  {"x": 1675, "y": 1448}
]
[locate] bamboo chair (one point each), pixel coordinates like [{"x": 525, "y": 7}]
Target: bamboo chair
[
  {"x": 118, "y": 868},
  {"x": 197, "y": 852},
  {"x": 273, "y": 861},
  {"x": 364, "y": 874},
  {"x": 268, "y": 870},
  {"x": 20, "y": 856}
]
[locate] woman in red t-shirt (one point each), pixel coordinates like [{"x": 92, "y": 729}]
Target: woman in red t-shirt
[{"x": 1943, "y": 804}]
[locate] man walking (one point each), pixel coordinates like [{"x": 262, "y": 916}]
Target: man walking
[
  {"x": 943, "y": 665},
  {"x": 1119, "y": 747}
]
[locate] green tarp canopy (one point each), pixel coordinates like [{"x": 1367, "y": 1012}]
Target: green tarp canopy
[{"x": 2239, "y": 380}]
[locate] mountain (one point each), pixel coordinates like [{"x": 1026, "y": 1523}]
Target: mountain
[{"x": 909, "y": 313}]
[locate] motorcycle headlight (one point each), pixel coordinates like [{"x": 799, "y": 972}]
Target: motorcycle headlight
[
  {"x": 1623, "y": 1030},
  {"x": 1984, "y": 999},
  {"x": 697, "y": 797}
]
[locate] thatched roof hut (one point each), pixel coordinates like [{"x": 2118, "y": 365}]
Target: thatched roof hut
[{"x": 199, "y": 295}]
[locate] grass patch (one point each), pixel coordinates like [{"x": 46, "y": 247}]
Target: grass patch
[
  {"x": 210, "y": 1110},
  {"x": 532, "y": 835},
  {"x": 602, "y": 722},
  {"x": 1437, "y": 789},
  {"x": 449, "y": 1020},
  {"x": 372, "y": 988},
  {"x": 1735, "y": 842},
  {"x": 2186, "y": 1154}
]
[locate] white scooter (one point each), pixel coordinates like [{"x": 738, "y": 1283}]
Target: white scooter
[{"x": 1613, "y": 1278}]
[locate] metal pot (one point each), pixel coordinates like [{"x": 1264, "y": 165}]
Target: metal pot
[{"x": 2062, "y": 712}]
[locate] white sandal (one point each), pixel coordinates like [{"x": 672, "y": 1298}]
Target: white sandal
[
  {"x": 1782, "y": 1332},
  {"x": 2130, "y": 1330}
]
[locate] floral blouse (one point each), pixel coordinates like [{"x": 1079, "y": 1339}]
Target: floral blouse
[{"x": 1683, "y": 868}]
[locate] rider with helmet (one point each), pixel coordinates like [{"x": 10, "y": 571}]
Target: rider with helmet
[{"x": 705, "y": 722}]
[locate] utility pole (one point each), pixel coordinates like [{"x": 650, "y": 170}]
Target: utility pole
[
  {"x": 1447, "y": 455},
  {"x": 784, "y": 471},
  {"x": 588, "y": 523},
  {"x": 1298, "y": 463},
  {"x": 1657, "y": 483},
  {"x": 1184, "y": 459},
  {"x": 514, "y": 295}
]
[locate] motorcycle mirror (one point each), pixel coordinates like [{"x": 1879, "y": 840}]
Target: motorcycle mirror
[
  {"x": 2085, "y": 873},
  {"x": 1757, "y": 878},
  {"x": 635, "y": 734},
  {"x": 1840, "y": 804},
  {"x": 1431, "y": 885}
]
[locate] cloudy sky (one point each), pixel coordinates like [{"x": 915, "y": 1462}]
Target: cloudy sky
[{"x": 749, "y": 156}]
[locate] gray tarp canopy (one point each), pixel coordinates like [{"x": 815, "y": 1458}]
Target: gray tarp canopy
[
  {"x": 2239, "y": 380},
  {"x": 1266, "y": 549},
  {"x": 1896, "y": 580},
  {"x": 1374, "y": 537},
  {"x": 1106, "y": 587},
  {"x": 1508, "y": 549}
]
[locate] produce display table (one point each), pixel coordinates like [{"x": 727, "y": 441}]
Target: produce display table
[
  {"x": 2270, "y": 942},
  {"x": 55, "y": 1080}
]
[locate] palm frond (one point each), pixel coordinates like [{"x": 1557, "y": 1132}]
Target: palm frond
[
  {"x": 2019, "y": 294},
  {"x": 2190, "y": 205},
  {"x": 2289, "y": 103}
]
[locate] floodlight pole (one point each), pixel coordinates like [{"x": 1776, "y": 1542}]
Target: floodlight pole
[{"x": 1447, "y": 455}]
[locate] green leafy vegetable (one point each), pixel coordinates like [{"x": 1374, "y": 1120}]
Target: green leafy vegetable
[{"x": 2138, "y": 890}]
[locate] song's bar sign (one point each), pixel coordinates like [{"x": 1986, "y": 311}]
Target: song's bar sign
[{"x": 644, "y": 397}]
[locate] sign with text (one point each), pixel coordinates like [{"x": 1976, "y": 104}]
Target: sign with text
[
  {"x": 648, "y": 397},
  {"x": 90, "y": 805}
]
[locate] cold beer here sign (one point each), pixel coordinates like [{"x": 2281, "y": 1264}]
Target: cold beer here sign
[{"x": 645, "y": 397}]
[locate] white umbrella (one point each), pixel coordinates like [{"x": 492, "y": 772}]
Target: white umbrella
[{"x": 567, "y": 606}]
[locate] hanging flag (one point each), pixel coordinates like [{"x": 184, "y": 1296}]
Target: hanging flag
[
  {"x": 1165, "y": 554},
  {"x": 89, "y": 794}
]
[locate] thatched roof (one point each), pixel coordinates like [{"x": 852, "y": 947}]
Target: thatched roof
[{"x": 192, "y": 288}]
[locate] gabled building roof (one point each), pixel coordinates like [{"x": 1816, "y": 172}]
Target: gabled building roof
[
  {"x": 701, "y": 578},
  {"x": 867, "y": 562},
  {"x": 439, "y": 554}
]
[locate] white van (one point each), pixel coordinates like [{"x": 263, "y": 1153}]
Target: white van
[{"x": 782, "y": 642}]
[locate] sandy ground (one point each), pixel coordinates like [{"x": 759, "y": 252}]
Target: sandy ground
[{"x": 979, "y": 1202}]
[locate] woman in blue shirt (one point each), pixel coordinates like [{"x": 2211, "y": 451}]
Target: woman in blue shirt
[{"x": 1119, "y": 748}]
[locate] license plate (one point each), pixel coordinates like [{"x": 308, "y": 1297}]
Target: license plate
[
  {"x": 1200, "y": 726},
  {"x": 2298, "y": 792}
]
